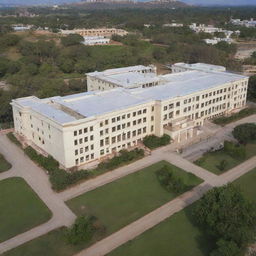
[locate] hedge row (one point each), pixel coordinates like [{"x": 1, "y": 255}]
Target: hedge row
[
  {"x": 61, "y": 179},
  {"x": 228, "y": 119},
  {"x": 13, "y": 139},
  {"x": 153, "y": 141}
]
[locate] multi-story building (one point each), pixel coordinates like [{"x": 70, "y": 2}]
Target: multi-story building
[
  {"x": 128, "y": 77},
  {"x": 85, "y": 127},
  {"x": 106, "y": 32}
]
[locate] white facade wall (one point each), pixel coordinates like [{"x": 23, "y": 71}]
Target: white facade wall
[{"x": 94, "y": 138}]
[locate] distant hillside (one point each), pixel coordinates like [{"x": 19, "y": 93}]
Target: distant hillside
[
  {"x": 115, "y": 4},
  {"x": 102, "y": 4}
]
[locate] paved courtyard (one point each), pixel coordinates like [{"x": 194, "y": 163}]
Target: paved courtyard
[{"x": 23, "y": 167}]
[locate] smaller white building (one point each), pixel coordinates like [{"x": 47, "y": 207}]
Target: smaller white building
[
  {"x": 246, "y": 23},
  {"x": 96, "y": 40},
  {"x": 182, "y": 67},
  {"x": 20, "y": 28},
  {"x": 217, "y": 40},
  {"x": 173, "y": 25}
]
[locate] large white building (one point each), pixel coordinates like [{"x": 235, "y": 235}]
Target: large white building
[{"x": 85, "y": 127}]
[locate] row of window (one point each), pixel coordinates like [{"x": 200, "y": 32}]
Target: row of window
[
  {"x": 83, "y": 140},
  {"x": 85, "y": 149},
  {"x": 84, "y": 130}
]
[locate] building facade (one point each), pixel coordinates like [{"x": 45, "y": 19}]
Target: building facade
[
  {"x": 95, "y": 40},
  {"x": 81, "y": 128},
  {"x": 106, "y": 32}
]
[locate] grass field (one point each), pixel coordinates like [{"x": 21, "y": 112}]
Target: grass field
[
  {"x": 20, "y": 208},
  {"x": 127, "y": 199},
  {"x": 211, "y": 160},
  {"x": 4, "y": 165},
  {"x": 176, "y": 236},
  {"x": 51, "y": 244},
  {"x": 247, "y": 184}
]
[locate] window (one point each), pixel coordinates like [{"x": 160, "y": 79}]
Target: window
[
  {"x": 75, "y": 142},
  {"x": 76, "y": 152},
  {"x": 102, "y": 152},
  {"x": 85, "y": 130},
  {"x": 80, "y": 141},
  {"x": 101, "y": 133},
  {"x": 85, "y": 139},
  {"x": 91, "y": 128},
  {"x": 81, "y": 150},
  {"x": 113, "y": 120},
  {"x": 144, "y": 111},
  {"x": 123, "y": 116},
  {"x": 134, "y": 114},
  {"x": 75, "y": 133},
  {"x": 91, "y": 137},
  {"x": 80, "y": 131},
  {"x": 177, "y": 104},
  {"x": 113, "y": 129}
]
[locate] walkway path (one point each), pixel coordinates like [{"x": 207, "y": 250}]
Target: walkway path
[{"x": 23, "y": 167}]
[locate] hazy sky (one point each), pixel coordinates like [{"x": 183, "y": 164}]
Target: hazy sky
[
  {"x": 221, "y": 2},
  {"x": 201, "y": 2}
]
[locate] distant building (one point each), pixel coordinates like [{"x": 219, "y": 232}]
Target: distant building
[
  {"x": 210, "y": 29},
  {"x": 95, "y": 40},
  {"x": 20, "y": 28},
  {"x": 217, "y": 40},
  {"x": 246, "y": 23},
  {"x": 182, "y": 67},
  {"x": 105, "y": 32},
  {"x": 173, "y": 25},
  {"x": 91, "y": 126}
]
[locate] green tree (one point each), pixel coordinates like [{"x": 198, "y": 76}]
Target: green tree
[
  {"x": 226, "y": 214},
  {"x": 81, "y": 231},
  {"x": 226, "y": 248},
  {"x": 72, "y": 39},
  {"x": 245, "y": 133}
]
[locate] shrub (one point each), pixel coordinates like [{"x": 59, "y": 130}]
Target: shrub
[
  {"x": 245, "y": 133},
  {"x": 228, "y": 119},
  {"x": 152, "y": 141},
  {"x": 235, "y": 150},
  {"x": 223, "y": 164},
  {"x": 170, "y": 181},
  {"x": 13, "y": 139},
  {"x": 61, "y": 179},
  {"x": 81, "y": 231}
]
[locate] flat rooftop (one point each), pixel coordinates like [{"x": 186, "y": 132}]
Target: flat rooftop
[
  {"x": 201, "y": 66},
  {"x": 127, "y": 77},
  {"x": 89, "y": 104}
]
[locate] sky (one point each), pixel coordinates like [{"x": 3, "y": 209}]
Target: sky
[
  {"x": 200, "y": 2},
  {"x": 221, "y": 2}
]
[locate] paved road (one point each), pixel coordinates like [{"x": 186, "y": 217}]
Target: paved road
[
  {"x": 23, "y": 167},
  {"x": 136, "y": 228},
  {"x": 194, "y": 151}
]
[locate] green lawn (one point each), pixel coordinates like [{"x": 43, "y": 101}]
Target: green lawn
[
  {"x": 247, "y": 184},
  {"x": 51, "y": 244},
  {"x": 20, "y": 208},
  {"x": 127, "y": 199},
  {"x": 4, "y": 165},
  {"x": 211, "y": 160},
  {"x": 176, "y": 236}
]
